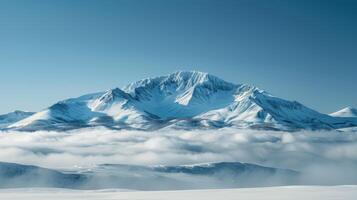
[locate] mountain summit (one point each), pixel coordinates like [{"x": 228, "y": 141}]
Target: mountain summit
[{"x": 181, "y": 100}]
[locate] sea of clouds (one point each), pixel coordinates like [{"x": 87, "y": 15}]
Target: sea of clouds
[{"x": 323, "y": 157}]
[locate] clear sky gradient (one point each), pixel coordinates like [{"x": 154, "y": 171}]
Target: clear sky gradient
[{"x": 304, "y": 50}]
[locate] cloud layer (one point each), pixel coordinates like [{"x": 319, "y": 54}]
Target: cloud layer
[{"x": 330, "y": 156}]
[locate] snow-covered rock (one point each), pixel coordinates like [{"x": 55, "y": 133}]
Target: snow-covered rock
[{"x": 182, "y": 100}]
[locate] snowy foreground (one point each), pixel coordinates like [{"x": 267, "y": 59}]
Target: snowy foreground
[{"x": 287, "y": 192}]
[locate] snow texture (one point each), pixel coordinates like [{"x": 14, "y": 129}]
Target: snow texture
[{"x": 268, "y": 193}]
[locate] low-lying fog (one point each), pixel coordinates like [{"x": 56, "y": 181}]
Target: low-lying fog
[{"x": 323, "y": 157}]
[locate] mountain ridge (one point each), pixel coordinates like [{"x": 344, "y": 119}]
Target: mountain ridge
[
  {"x": 142, "y": 177},
  {"x": 12, "y": 117},
  {"x": 181, "y": 100}
]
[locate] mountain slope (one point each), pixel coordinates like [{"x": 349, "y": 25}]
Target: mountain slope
[
  {"x": 10, "y": 118},
  {"x": 258, "y": 109},
  {"x": 183, "y": 100},
  {"x": 345, "y": 112},
  {"x": 67, "y": 114}
]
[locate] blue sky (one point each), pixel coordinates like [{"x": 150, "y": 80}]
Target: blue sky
[{"x": 304, "y": 50}]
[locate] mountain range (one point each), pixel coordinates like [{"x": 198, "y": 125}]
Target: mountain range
[
  {"x": 181, "y": 100},
  {"x": 198, "y": 176}
]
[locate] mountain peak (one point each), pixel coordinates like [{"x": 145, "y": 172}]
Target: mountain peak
[
  {"x": 110, "y": 97},
  {"x": 195, "y": 76},
  {"x": 190, "y": 73},
  {"x": 345, "y": 112},
  {"x": 178, "y": 81},
  {"x": 116, "y": 92}
]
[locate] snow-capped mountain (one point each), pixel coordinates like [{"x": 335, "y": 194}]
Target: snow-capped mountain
[
  {"x": 10, "y": 118},
  {"x": 182, "y": 100},
  {"x": 345, "y": 112}
]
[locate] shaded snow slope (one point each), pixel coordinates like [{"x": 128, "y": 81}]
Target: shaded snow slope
[{"x": 13, "y": 117}]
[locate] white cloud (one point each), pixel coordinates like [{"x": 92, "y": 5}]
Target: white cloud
[{"x": 319, "y": 153}]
